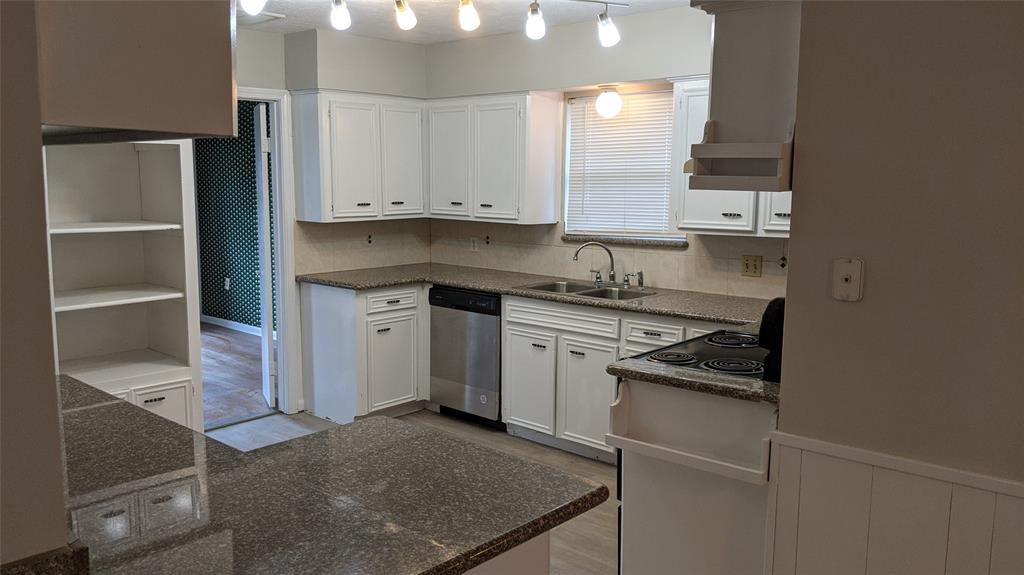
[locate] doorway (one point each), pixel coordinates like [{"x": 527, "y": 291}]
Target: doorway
[{"x": 238, "y": 253}]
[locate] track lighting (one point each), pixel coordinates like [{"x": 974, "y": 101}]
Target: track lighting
[
  {"x": 252, "y": 7},
  {"x": 535, "y": 27},
  {"x": 607, "y": 33},
  {"x": 609, "y": 103},
  {"x": 469, "y": 19},
  {"x": 340, "y": 17},
  {"x": 404, "y": 15}
]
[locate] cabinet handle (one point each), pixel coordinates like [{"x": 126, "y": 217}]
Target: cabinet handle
[
  {"x": 539, "y": 346},
  {"x": 384, "y": 330},
  {"x": 577, "y": 353},
  {"x": 160, "y": 500},
  {"x": 782, "y": 214},
  {"x": 652, "y": 334},
  {"x": 393, "y": 301},
  {"x": 113, "y": 514},
  {"x": 397, "y": 203},
  {"x": 363, "y": 204},
  {"x": 456, "y": 203},
  {"x": 154, "y": 400},
  {"x": 486, "y": 205},
  {"x": 732, "y": 215}
]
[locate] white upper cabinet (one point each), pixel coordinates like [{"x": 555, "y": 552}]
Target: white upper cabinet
[
  {"x": 402, "y": 158},
  {"x": 449, "y": 159},
  {"x": 729, "y": 212},
  {"x": 355, "y": 159},
  {"x": 496, "y": 169},
  {"x": 358, "y": 157}
]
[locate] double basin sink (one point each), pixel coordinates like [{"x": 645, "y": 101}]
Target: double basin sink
[{"x": 590, "y": 290}]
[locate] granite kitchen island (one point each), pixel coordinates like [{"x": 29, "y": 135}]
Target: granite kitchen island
[{"x": 377, "y": 496}]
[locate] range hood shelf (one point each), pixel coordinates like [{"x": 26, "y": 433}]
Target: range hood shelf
[{"x": 752, "y": 157}]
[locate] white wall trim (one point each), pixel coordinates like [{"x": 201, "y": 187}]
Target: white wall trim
[
  {"x": 289, "y": 361},
  {"x": 232, "y": 325},
  {"x": 904, "y": 464}
]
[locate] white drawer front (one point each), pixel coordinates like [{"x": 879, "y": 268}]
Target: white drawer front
[
  {"x": 169, "y": 400},
  {"x": 563, "y": 319},
  {"x": 651, "y": 333},
  {"x": 170, "y": 504},
  {"x": 108, "y": 522},
  {"x": 388, "y": 301}
]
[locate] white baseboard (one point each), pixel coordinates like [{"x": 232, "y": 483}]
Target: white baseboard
[{"x": 233, "y": 325}]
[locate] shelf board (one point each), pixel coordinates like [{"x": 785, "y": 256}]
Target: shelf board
[
  {"x": 110, "y": 227},
  {"x": 117, "y": 371},
  {"x": 108, "y": 296},
  {"x": 740, "y": 183}
]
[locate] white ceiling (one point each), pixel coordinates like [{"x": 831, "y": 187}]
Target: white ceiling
[{"x": 437, "y": 19}]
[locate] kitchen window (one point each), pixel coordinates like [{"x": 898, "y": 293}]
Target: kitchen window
[{"x": 619, "y": 170}]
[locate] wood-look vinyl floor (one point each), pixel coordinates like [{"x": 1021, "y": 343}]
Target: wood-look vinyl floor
[
  {"x": 269, "y": 430},
  {"x": 586, "y": 545},
  {"x": 232, "y": 376}
]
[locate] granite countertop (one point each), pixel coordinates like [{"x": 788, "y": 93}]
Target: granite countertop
[
  {"x": 375, "y": 496},
  {"x": 665, "y": 302}
]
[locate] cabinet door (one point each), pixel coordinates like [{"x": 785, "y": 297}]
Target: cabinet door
[
  {"x": 391, "y": 363},
  {"x": 585, "y": 390},
  {"x": 355, "y": 159},
  {"x": 402, "y": 160},
  {"x": 449, "y": 160},
  {"x": 705, "y": 209},
  {"x": 529, "y": 379},
  {"x": 776, "y": 208},
  {"x": 169, "y": 400},
  {"x": 496, "y": 151}
]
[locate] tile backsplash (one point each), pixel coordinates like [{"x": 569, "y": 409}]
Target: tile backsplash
[{"x": 711, "y": 263}]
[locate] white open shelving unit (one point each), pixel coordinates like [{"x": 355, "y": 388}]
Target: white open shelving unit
[{"x": 124, "y": 273}]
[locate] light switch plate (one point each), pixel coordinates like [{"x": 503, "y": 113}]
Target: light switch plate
[
  {"x": 848, "y": 279},
  {"x": 752, "y": 266}
]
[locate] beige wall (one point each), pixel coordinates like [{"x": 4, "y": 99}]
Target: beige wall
[
  {"x": 31, "y": 467},
  {"x": 259, "y": 60},
  {"x": 654, "y": 45},
  {"x": 908, "y": 155},
  {"x": 356, "y": 245}
]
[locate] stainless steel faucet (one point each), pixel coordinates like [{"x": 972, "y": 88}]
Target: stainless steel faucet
[{"x": 611, "y": 259}]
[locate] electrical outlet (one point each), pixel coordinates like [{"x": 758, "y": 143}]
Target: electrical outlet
[
  {"x": 227, "y": 283},
  {"x": 474, "y": 244},
  {"x": 752, "y": 266}
]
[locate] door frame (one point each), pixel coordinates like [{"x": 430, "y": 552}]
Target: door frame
[{"x": 289, "y": 351}]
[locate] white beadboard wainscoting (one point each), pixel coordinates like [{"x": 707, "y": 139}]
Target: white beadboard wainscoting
[{"x": 836, "y": 509}]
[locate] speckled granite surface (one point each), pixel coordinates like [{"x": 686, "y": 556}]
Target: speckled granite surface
[
  {"x": 695, "y": 380},
  {"x": 684, "y": 304},
  {"x": 375, "y": 496}
]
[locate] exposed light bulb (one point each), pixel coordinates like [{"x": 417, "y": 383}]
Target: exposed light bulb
[
  {"x": 341, "y": 19},
  {"x": 535, "y": 27},
  {"x": 469, "y": 19},
  {"x": 252, "y": 7},
  {"x": 404, "y": 15},
  {"x": 607, "y": 33},
  {"x": 608, "y": 104}
]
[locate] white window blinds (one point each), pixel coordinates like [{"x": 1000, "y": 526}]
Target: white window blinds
[{"x": 619, "y": 169}]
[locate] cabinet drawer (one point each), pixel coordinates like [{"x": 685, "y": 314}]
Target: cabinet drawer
[
  {"x": 169, "y": 505},
  {"x": 563, "y": 319},
  {"x": 108, "y": 522},
  {"x": 169, "y": 400},
  {"x": 378, "y": 302},
  {"x": 653, "y": 333}
]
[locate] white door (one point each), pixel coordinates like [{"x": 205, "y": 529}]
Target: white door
[
  {"x": 777, "y": 206},
  {"x": 268, "y": 352},
  {"x": 392, "y": 360},
  {"x": 585, "y": 390},
  {"x": 496, "y": 146},
  {"x": 449, "y": 160},
  {"x": 402, "y": 158},
  {"x": 355, "y": 159},
  {"x": 529, "y": 379},
  {"x": 705, "y": 209}
]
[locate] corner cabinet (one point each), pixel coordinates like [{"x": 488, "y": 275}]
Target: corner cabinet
[
  {"x": 358, "y": 157},
  {"x": 723, "y": 212}
]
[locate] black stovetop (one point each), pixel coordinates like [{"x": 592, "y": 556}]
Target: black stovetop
[{"x": 725, "y": 352}]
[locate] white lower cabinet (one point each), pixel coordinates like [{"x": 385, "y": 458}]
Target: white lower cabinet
[
  {"x": 529, "y": 378},
  {"x": 585, "y": 390},
  {"x": 392, "y": 351},
  {"x": 172, "y": 400}
]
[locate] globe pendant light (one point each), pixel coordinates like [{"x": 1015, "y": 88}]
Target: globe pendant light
[
  {"x": 469, "y": 19},
  {"x": 535, "y": 27},
  {"x": 404, "y": 15},
  {"x": 609, "y": 103},
  {"x": 340, "y": 17},
  {"x": 253, "y": 7},
  {"x": 607, "y": 33}
]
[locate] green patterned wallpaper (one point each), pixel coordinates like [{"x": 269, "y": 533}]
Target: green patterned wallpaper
[{"x": 228, "y": 223}]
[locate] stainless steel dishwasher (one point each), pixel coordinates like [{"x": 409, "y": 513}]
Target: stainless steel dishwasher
[{"x": 465, "y": 351}]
